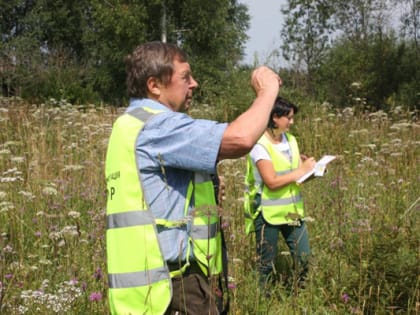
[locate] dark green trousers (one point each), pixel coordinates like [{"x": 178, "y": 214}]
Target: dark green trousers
[{"x": 267, "y": 237}]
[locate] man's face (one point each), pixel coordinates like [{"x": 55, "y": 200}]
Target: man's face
[{"x": 177, "y": 94}]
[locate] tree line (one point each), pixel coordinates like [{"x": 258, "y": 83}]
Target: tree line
[
  {"x": 347, "y": 52},
  {"x": 355, "y": 52},
  {"x": 74, "y": 49}
]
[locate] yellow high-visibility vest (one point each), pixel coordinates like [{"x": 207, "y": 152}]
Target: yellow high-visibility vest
[
  {"x": 138, "y": 276},
  {"x": 283, "y": 205},
  {"x": 206, "y": 234}
]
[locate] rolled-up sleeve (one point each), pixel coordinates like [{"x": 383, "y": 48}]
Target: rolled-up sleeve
[{"x": 176, "y": 140}]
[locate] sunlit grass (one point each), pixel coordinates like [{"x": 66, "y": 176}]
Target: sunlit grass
[{"x": 365, "y": 235}]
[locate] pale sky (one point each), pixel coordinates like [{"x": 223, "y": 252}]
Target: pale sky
[
  {"x": 264, "y": 32},
  {"x": 265, "y": 25}
]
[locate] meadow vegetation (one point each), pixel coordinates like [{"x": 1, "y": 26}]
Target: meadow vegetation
[{"x": 363, "y": 214}]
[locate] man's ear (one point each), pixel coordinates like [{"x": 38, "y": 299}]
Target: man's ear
[{"x": 153, "y": 86}]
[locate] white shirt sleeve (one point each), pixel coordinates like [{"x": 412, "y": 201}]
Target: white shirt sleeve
[{"x": 258, "y": 152}]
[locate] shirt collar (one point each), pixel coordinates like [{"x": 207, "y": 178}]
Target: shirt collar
[{"x": 146, "y": 102}]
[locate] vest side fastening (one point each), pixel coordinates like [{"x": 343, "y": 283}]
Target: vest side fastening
[{"x": 205, "y": 233}]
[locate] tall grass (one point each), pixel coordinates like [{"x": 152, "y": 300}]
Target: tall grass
[{"x": 365, "y": 234}]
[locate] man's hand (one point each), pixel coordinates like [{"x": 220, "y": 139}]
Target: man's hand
[
  {"x": 242, "y": 134},
  {"x": 264, "y": 79}
]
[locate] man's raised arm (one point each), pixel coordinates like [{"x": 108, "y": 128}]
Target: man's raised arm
[{"x": 241, "y": 134}]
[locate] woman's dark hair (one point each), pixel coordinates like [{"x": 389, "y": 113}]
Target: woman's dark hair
[{"x": 282, "y": 107}]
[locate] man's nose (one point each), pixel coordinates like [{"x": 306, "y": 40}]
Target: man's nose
[{"x": 193, "y": 84}]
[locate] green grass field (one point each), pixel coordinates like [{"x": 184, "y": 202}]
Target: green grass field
[{"x": 365, "y": 232}]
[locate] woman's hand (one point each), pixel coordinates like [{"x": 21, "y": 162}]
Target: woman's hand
[{"x": 308, "y": 164}]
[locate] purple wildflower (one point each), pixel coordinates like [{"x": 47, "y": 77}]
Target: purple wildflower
[
  {"x": 98, "y": 275},
  {"x": 345, "y": 298},
  {"x": 95, "y": 296}
]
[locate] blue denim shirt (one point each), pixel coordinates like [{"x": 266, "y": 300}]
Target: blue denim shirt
[{"x": 171, "y": 147}]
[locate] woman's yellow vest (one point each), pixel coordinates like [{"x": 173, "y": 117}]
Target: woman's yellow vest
[
  {"x": 280, "y": 206},
  {"x": 138, "y": 276}
]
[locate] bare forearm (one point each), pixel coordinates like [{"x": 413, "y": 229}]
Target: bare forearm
[
  {"x": 244, "y": 132},
  {"x": 274, "y": 181},
  {"x": 241, "y": 135},
  {"x": 277, "y": 182}
]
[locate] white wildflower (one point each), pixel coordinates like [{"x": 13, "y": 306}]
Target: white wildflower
[
  {"x": 55, "y": 236},
  {"x": 5, "y": 206},
  {"x": 9, "y": 179},
  {"x": 367, "y": 159},
  {"x": 49, "y": 191},
  {"x": 396, "y": 141},
  {"x": 360, "y": 131},
  {"x": 309, "y": 219},
  {"x": 45, "y": 262},
  {"x": 74, "y": 214},
  {"x": 8, "y": 249},
  {"x": 396, "y": 154},
  {"x": 400, "y": 126},
  {"x": 27, "y": 194},
  {"x": 70, "y": 231},
  {"x": 18, "y": 159},
  {"x": 237, "y": 261},
  {"x": 73, "y": 167},
  {"x": 12, "y": 171}
]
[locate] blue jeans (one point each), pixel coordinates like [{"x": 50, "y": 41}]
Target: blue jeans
[{"x": 267, "y": 236}]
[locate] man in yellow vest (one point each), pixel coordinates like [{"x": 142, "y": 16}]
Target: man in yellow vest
[{"x": 163, "y": 234}]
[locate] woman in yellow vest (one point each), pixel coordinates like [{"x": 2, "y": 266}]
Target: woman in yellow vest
[{"x": 274, "y": 165}]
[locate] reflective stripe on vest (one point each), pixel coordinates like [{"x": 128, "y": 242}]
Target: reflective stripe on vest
[
  {"x": 126, "y": 219},
  {"x": 283, "y": 205},
  {"x": 139, "y": 280},
  {"x": 136, "y": 279}
]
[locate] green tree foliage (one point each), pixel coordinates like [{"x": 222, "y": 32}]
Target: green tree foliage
[
  {"x": 214, "y": 36},
  {"x": 75, "y": 49},
  {"x": 42, "y": 49},
  {"x": 348, "y": 79},
  {"x": 114, "y": 28},
  {"x": 306, "y": 34},
  {"x": 350, "y": 53}
]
